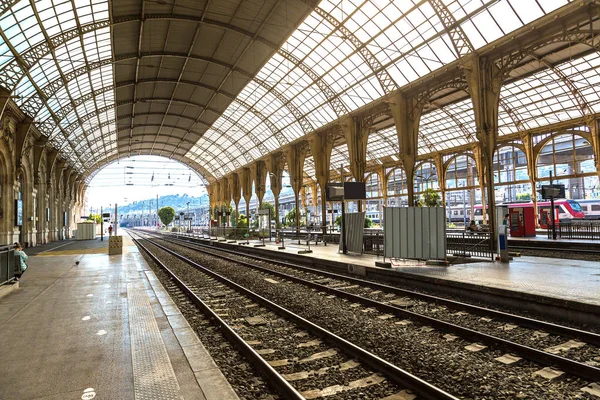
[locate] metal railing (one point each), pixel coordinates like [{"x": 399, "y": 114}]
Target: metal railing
[
  {"x": 587, "y": 230},
  {"x": 7, "y": 264},
  {"x": 466, "y": 244},
  {"x": 373, "y": 242}
]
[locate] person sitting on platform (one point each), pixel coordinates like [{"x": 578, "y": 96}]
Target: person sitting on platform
[
  {"x": 19, "y": 252},
  {"x": 472, "y": 227}
]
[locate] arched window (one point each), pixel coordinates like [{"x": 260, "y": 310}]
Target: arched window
[
  {"x": 510, "y": 165},
  {"x": 373, "y": 186},
  {"x": 375, "y": 203},
  {"x": 570, "y": 158},
  {"x": 510, "y": 174},
  {"x": 462, "y": 189},
  {"x": 397, "y": 188},
  {"x": 397, "y": 184},
  {"x": 461, "y": 173},
  {"x": 426, "y": 177}
]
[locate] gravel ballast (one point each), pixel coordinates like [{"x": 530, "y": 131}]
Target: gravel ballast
[{"x": 426, "y": 354}]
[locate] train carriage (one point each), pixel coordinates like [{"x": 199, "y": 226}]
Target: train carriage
[{"x": 565, "y": 210}]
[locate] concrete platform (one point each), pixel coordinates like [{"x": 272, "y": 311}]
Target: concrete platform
[
  {"x": 561, "y": 279},
  {"x": 105, "y": 329}
]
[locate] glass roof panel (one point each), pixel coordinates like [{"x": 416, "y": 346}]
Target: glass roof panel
[
  {"x": 343, "y": 41},
  {"x": 29, "y": 24},
  {"x": 382, "y": 143},
  {"x": 545, "y": 98},
  {"x": 345, "y": 44},
  {"x": 447, "y": 127},
  {"x": 339, "y": 157}
]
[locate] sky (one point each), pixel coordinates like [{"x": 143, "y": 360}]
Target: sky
[{"x": 142, "y": 177}]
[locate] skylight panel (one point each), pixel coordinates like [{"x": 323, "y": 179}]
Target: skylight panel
[
  {"x": 487, "y": 26},
  {"x": 25, "y": 32}
]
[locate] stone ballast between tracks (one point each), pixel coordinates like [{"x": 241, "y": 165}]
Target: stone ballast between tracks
[
  {"x": 246, "y": 382},
  {"x": 195, "y": 278},
  {"x": 426, "y": 354}
]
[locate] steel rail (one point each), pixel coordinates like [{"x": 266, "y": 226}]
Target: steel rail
[
  {"x": 573, "y": 367},
  {"x": 398, "y": 375},
  {"x": 555, "y": 249},
  {"x": 586, "y": 336},
  {"x": 274, "y": 378}
]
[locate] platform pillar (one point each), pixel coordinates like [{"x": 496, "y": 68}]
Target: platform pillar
[
  {"x": 321, "y": 145},
  {"x": 407, "y": 117},
  {"x": 276, "y": 164},
  {"x": 484, "y": 81},
  {"x": 296, "y": 154}
]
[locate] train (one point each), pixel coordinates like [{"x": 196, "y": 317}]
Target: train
[
  {"x": 566, "y": 210},
  {"x": 591, "y": 208}
]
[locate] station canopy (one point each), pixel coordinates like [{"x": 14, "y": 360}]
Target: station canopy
[{"x": 218, "y": 84}]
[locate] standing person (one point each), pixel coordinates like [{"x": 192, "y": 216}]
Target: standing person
[
  {"x": 505, "y": 220},
  {"x": 110, "y": 230},
  {"x": 19, "y": 252}
]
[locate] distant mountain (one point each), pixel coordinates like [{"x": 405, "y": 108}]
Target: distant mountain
[{"x": 178, "y": 202}]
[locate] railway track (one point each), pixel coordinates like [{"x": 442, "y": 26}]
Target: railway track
[
  {"x": 300, "y": 359},
  {"x": 563, "y": 247},
  {"x": 488, "y": 326},
  {"x": 417, "y": 308}
]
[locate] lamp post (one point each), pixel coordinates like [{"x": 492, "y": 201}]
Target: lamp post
[{"x": 188, "y": 216}]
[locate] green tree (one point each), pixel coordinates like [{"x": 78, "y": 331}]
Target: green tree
[
  {"x": 290, "y": 218},
  {"x": 418, "y": 201},
  {"x": 95, "y": 218},
  {"x": 268, "y": 206},
  {"x": 523, "y": 196},
  {"x": 166, "y": 215},
  {"x": 242, "y": 221},
  {"x": 431, "y": 198},
  {"x": 368, "y": 221}
]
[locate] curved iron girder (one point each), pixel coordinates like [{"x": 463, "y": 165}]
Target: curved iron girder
[
  {"x": 32, "y": 55},
  {"x": 338, "y": 106},
  {"x": 508, "y": 62},
  {"x": 5, "y": 5},
  {"x": 54, "y": 86},
  {"x": 215, "y": 156},
  {"x": 53, "y": 53},
  {"x": 31, "y": 105},
  {"x": 584, "y": 107},
  {"x": 89, "y": 174},
  {"x": 459, "y": 39},
  {"x": 242, "y": 150},
  {"x": 385, "y": 80},
  {"x": 36, "y": 53},
  {"x": 73, "y": 126},
  {"x": 9, "y": 76},
  {"x": 513, "y": 115},
  {"x": 43, "y": 100}
]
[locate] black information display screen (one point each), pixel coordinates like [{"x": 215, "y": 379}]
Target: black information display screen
[{"x": 355, "y": 191}]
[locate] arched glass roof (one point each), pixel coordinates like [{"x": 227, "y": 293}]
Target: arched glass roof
[
  {"x": 361, "y": 50},
  {"x": 217, "y": 84}
]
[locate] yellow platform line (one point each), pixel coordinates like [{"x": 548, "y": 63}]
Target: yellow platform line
[{"x": 95, "y": 250}]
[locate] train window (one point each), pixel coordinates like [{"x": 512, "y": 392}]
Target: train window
[
  {"x": 595, "y": 207},
  {"x": 575, "y": 205},
  {"x": 478, "y": 211}
]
